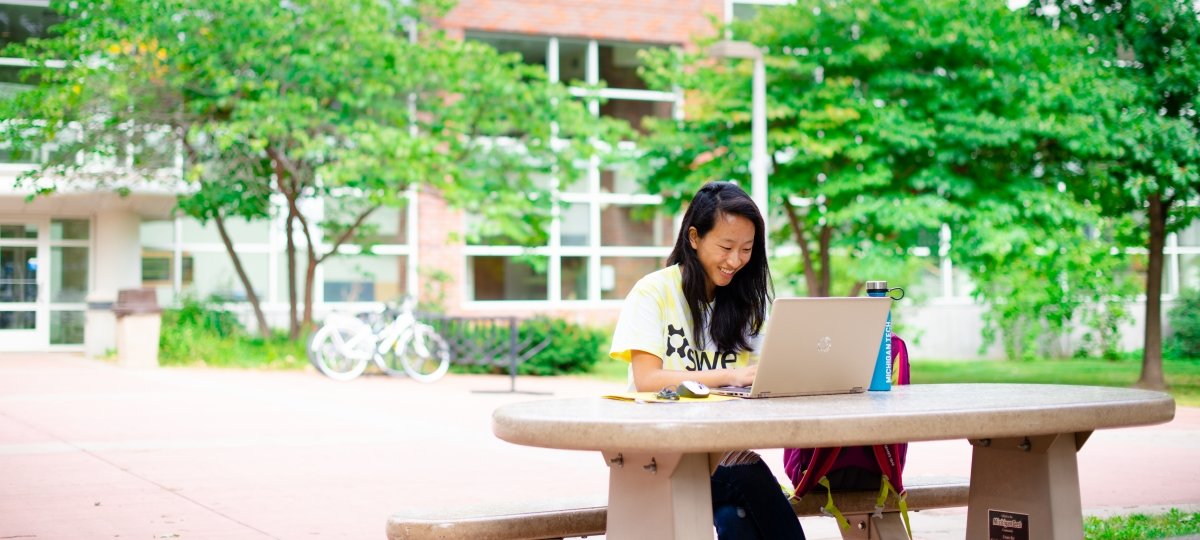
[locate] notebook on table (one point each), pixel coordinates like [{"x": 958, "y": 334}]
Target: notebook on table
[{"x": 814, "y": 346}]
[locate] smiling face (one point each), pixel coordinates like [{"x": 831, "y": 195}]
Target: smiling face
[{"x": 724, "y": 250}]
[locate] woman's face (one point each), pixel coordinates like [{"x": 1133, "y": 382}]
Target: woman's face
[{"x": 724, "y": 250}]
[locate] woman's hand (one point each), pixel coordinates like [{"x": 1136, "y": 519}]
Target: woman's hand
[
  {"x": 743, "y": 376},
  {"x": 649, "y": 375}
]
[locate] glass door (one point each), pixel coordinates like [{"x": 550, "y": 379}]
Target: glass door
[{"x": 22, "y": 323}]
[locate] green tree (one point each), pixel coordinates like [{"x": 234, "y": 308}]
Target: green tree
[
  {"x": 1048, "y": 277},
  {"x": 350, "y": 101},
  {"x": 1153, "y": 167},
  {"x": 887, "y": 120}
]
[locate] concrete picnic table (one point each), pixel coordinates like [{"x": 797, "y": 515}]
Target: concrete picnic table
[{"x": 1024, "y": 475}]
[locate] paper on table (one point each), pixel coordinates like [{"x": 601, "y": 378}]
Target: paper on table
[{"x": 652, "y": 397}]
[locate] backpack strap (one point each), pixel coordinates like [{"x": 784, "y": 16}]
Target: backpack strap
[
  {"x": 831, "y": 509},
  {"x": 807, "y": 474},
  {"x": 900, "y": 369},
  {"x": 901, "y": 502},
  {"x": 888, "y": 458}
]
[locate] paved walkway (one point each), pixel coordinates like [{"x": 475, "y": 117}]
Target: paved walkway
[{"x": 92, "y": 450}]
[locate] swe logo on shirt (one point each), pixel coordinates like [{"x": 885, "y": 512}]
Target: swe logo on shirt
[{"x": 696, "y": 360}]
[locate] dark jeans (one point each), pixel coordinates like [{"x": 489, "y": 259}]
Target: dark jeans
[{"x": 749, "y": 504}]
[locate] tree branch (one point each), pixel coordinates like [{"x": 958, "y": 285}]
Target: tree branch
[
  {"x": 810, "y": 276},
  {"x": 347, "y": 234}
]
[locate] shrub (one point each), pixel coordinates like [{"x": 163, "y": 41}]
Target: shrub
[
  {"x": 573, "y": 348},
  {"x": 206, "y": 315},
  {"x": 194, "y": 331},
  {"x": 203, "y": 332},
  {"x": 1184, "y": 318}
]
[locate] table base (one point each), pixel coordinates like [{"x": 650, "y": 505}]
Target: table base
[
  {"x": 1025, "y": 487},
  {"x": 673, "y": 486}
]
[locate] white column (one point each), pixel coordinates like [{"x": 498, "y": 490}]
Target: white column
[
  {"x": 554, "y": 269},
  {"x": 116, "y": 264},
  {"x": 758, "y": 139}
]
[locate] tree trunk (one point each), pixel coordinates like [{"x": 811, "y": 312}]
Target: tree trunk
[
  {"x": 251, "y": 296},
  {"x": 310, "y": 279},
  {"x": 314, "y": 260},
  {"x": 798, "y": 232},
  {"x": 825, "y": 285},
  {"x": 293, "y": 326},
  {"x": 1152, "y": 372}
]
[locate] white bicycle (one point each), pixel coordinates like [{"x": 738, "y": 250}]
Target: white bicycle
[{"x": 394, "y": 339}]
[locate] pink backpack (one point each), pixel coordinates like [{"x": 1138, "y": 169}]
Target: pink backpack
[{"x": 808, "y": 467}]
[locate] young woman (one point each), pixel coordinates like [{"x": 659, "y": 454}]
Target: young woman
[{"x": 699, "y": 319}]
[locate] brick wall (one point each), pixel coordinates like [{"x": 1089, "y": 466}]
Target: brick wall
[
  {"x": 650, "y": 21},
  {"x": 629, "y": 21},
  {"x": 440, "y": 247}
]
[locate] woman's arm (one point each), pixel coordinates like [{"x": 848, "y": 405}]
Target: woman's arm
[{"x": 649, "y": 375}]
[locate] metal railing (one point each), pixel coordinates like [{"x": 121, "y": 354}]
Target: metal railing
[{"x": 488, "y": 341}]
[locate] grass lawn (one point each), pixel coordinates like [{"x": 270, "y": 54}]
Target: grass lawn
[
  {"x": 1140, "y": 526},
  {"x": 1183, "y": 376}
]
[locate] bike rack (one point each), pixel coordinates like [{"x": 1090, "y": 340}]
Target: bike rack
[{"x": 487, "y": 341}]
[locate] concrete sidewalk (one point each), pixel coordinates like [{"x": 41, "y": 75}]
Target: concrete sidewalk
[{"x": 91, "y": 450}]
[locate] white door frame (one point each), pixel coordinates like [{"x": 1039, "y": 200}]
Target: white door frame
[{"x": 39, "y": 337}]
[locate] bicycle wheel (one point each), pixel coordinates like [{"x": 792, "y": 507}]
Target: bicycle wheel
[
  {"x": 423, "y": 354},
  {"x": 341, "y": 348}
]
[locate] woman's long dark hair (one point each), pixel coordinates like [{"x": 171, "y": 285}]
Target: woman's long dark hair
[{"x": 740, "y": 306}]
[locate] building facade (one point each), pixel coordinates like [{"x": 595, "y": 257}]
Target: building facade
[{"x": 63, "y": 258}]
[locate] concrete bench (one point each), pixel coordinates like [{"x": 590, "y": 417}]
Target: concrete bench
[{"x": 569, "y": 518}]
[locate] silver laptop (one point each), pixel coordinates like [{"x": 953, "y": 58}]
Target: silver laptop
[{"x": 815, "y": 346}]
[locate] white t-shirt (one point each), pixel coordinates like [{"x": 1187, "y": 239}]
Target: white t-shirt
[{"x": 655, "y": 319}]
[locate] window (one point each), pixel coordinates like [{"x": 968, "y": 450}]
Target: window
[
  {"x": 20, "y": 22},
  {"x": 69, "y": 274},
  {"x": 214, "y": 275},
  {"x": 17, "y": 320},
  {"x": 619, "y": 63},
  {"x": 572, "y": 61},
  {"x": 619, "y": 180},
  {"x": 508, "y": 278},
  {"x": 531, "y": 48},
  {"x": 1189, "y": 273},
  {"x": 69, "y": 279},
  {"x": 11, "y": 154},
  {"x": 1190, "y": 237},
  {"x": 619, "y": 274},
  {"x": 749, "y": 9},
  {"x": 66, "y": 327},
  {"x": 576, "y": 224},
  {"x": 576, "y": 184},
  {"x": 69, "y": 229},
  {"x": 365, "y": 278},
  {"x": 240, "y": 231},
  {"x": 637, "y": 225},
  {"x": 158, "y": 268},
  {"x": 387, "y": 225},
  {"x": 636, "y": 111},
  {"x": 574, "y": 278},
  {"x": 18, "y": 274},
  {"x": 18, "y": 231}
]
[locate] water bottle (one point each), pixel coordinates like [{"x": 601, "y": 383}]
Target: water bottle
[{"x": 882, "y": 378}]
